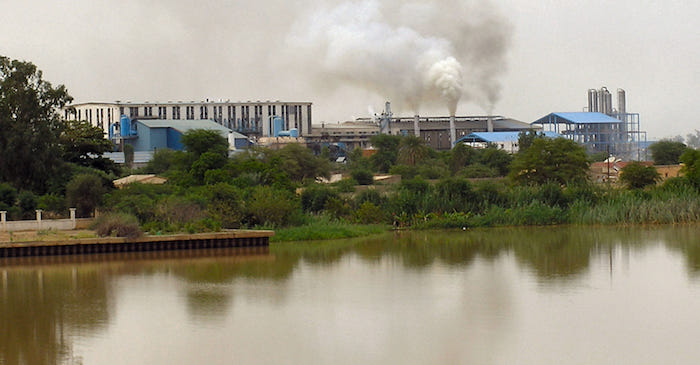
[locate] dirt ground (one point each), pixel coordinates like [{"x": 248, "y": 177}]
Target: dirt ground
[{"x": 45, "y": 235}]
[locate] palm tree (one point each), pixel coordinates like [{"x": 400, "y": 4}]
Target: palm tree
[{"x": 412, "y": 150}]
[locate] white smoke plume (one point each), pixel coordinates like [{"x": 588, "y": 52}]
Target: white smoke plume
[{"x": 414, "y": 53}]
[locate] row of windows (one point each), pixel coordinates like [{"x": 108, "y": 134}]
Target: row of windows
[
  {"x": 217, "y": 111},
  {"x": 94, "y": 116}
]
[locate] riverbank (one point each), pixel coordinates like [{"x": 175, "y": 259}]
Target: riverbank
[
  {"x": 325, "y": 230},
  {"x": 45, "y": 235}
]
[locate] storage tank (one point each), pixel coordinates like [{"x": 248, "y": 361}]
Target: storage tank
[
  {"x": 294, "y": 133},
  {"x": 621, "y": 107},
  {"x": 124, "y": 126},
  {"x": 592, "y": 100},
  {"x": 277, "y": 126}
]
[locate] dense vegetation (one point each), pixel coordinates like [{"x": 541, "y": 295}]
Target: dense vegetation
[{"x": 544, "y": 183}]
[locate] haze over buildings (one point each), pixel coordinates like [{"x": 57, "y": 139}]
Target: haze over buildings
[{"x": 526, "y": 59}]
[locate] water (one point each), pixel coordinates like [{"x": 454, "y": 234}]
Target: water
[{"x": 501, "y": 296}]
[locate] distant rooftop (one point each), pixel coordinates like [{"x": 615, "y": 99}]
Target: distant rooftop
[
  {"x": 493, "y": 137},
  {"x": 576, "y": 118}
]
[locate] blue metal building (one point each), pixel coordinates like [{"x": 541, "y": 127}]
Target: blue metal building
[{"x": 153, "y": 134}]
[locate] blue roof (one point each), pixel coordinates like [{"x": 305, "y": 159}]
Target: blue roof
[
  {"x": 493, "y": 137},
  {"x": 576, "y": 118}
]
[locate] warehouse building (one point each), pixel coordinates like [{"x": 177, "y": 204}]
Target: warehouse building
[{"x": 251, "y": 118}]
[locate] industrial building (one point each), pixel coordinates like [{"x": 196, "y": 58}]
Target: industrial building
[
  {"x": 601, "y": 128},
  {"x": 435, "y": 131},
  {"x": 507, "y": 141},
  {"x": 251, "y": 118},
  {"x": 155, "y": 134}
]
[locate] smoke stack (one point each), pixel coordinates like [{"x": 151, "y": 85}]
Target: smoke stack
[
  {"x": 453, "y": 131},
  {"x": 489, "y": 123},
  {"x": 416, "y": 128}
]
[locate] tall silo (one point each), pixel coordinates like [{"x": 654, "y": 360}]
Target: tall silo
[
  {"x": 592, "y": 100},
  {"x": 621, "y": 108}
]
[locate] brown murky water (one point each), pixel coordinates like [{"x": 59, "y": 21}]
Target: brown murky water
[{"x": 502, "y": 296}]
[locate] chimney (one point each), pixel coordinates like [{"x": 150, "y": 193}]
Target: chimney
[
  {"x": 416, "y": 128},
  {"x": 453, "y": 131}
]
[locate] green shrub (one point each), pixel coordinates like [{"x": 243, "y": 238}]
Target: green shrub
[
  {"x": 346, "y": 185},
  {"x": 363, "y": 177},
  {"x": 314, "y": 197},
  {"x": 369, "y": 195},
  {"x": 406, "y": 172},
  {"x": 117, "y": 224},
  {"x": 269, "y": 206},
  {"x": 368, "y": 213},
  {"x": 52, "y": 203}
]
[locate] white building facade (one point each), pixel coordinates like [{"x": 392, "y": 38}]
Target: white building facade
[{"x": 251, "y": 118}]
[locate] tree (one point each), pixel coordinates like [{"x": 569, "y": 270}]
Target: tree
[
  {"x": 412, "y": 150},
  {"x": 557, "y": 160},
  {"x": 667, "y": 152},
  {"x": 691, "y": 166},
  {"x": 495, "y": 158},
  {"x": 387, "y": 151},
  {"x": 198, "y": 141},
  {"x": 84, "y": 144},
  {"x": 637, "y": 176},
  {"x": 525, "y": 139},
  {"x": 299, "y": 163},
  {"x": 85, "y": 192},
  {"x": 461, "y": 156},
  {"x": 30, "y": 125}
]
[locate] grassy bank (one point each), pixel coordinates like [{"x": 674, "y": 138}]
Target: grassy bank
[{"x": 327, "y": 230}]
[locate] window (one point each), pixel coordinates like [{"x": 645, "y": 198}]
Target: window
[{"x": 176, "y": 112}]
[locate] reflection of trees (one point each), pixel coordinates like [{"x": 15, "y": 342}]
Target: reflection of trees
[
  {"x": 38, "y": 309},
  {"x": 685, "y": 239},
  {"x": 209, "y": 302},
  {"x": 553, "y": 253}
]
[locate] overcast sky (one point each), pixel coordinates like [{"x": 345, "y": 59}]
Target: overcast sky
[{"x": 546, "y": 54}]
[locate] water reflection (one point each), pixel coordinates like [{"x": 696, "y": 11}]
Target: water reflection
[
  {"x": 46, "y": 302},
  {"x": 40, "y": 307},
  {"x": 552, "y": 253}
]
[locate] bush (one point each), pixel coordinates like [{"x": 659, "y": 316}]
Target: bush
[
  {"x": 345, "y": 185},
  {"x": 53, "y": 203},
  {"x": 314, "y": 197},
  {"x": 270, "y": 207},
  {"x": 117, "y": 224},
  {"x": 363, "y": 177},
  {"x": 369, "y": 213},
  {"x": 369, "y": 195},
  {"x": 638, "y": 176},
  {"x": 406, "y": 172}
]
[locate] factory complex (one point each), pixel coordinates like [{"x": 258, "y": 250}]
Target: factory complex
[{"x": 149, "y": 126}]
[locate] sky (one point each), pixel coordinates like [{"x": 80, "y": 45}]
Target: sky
[{"x": 518, "y": 58}]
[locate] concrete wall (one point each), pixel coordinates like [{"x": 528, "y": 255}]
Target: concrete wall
[{"x": 39, "y": 223}]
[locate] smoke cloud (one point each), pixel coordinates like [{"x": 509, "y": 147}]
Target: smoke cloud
[{"x": 415, "y": 53}]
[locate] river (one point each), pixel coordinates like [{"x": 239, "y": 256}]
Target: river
[{"x": 543, "y": 295}]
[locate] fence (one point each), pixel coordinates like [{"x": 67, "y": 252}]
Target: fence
[{"x": 39, "y": 224}]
